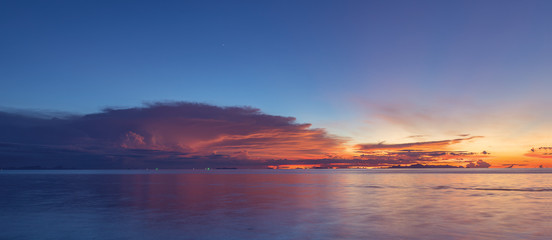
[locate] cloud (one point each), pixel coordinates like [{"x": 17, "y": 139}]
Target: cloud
[
  {"x": 188, "y": 135},
  {"x": 417, "y": 136},
  {"x": 509, "y": 165},
  {"x": 478, "y": 164},
  {"x": 174, "y": 130},
  {"x": 418, "y": 152},
  {"x": 416, "y": 145},
  {"x": 540, "y": 152}
]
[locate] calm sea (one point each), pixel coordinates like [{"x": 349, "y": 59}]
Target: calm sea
[{"x": 277, "y": 204}]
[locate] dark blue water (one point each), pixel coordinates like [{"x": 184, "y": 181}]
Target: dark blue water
[{"x": 277, "y": 204}]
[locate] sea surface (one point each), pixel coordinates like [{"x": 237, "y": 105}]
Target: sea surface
[{"x": 276, "y": 204}]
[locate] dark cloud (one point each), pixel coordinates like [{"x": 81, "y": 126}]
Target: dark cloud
[
  {"x": 478, "y": 164},
  {"x": 340, "y": 163},
  {"x": 509, "y": 165},
  {"x": 540, "y": 152},
  {"x": 177, "y": 132}
]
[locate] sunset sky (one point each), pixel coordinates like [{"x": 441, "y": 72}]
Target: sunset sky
[{"x": 184, "y": 84}]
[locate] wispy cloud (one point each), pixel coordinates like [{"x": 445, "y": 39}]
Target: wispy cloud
[
  {"x": 440, "y": 151},
  {"x": 416, "y": 145}
]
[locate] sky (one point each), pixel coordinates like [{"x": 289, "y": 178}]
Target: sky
[{"x": 257, "y": 83}]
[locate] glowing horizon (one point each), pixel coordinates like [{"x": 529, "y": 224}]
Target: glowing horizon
[{"x": 193, "y": 134}]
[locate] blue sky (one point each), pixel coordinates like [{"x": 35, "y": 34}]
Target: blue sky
[{"x": 341, "y": 65}]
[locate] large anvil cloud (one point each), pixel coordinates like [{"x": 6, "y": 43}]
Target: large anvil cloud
[{"x": 177, "y": 132}]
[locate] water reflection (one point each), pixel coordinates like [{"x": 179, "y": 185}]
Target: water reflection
[{"x": 302, "y": 204}]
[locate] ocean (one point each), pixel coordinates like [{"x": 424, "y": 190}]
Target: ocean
[{"x": 276, "y": 204}]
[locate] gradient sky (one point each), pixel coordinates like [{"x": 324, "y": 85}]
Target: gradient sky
[{"x": 378, "y": 77}]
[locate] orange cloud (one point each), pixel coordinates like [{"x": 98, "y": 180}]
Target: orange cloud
[
  {"x": 436, "y": 152},
  {"x": 435, "y": 145}
]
